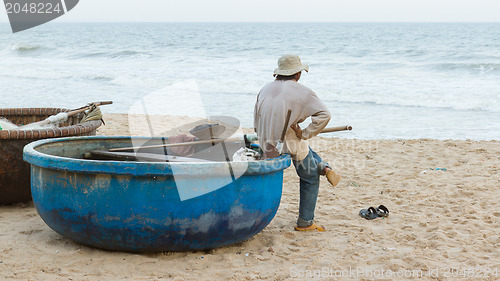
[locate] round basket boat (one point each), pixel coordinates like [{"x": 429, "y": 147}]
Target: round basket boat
[
  {"x": 14, "y": 172},
  {"x": 150, "y": 206}
]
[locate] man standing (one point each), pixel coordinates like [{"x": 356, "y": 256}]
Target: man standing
[{"x": 271, "y": 109}]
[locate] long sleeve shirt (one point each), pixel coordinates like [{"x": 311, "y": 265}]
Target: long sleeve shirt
[{"x": 271, "y": 108}]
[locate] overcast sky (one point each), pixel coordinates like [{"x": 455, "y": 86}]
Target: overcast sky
[{"x": 283, "y": 11}]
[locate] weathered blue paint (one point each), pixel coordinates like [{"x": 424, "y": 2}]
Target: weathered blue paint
[{"x": 135, "y": 206}]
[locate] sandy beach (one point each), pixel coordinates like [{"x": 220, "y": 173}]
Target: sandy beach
[{"x": 444, "y": 222}]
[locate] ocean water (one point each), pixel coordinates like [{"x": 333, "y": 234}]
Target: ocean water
[{"x": 387, "y": 80}]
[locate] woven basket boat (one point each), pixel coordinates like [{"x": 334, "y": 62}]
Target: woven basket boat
[{"x": 14, "y": 172}]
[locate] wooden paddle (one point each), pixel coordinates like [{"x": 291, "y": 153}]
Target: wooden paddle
[
  {"x": 131, "y": 156},
  {"x": 214, "y": 141}
]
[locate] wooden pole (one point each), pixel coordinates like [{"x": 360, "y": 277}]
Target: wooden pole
[
  {"x": 70, "y": 113},
  {"x": 336, "y": 129},
  {"x": 214, "y": 141}
]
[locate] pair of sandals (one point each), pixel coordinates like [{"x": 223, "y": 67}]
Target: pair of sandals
[{"x": 372, "y": 213}]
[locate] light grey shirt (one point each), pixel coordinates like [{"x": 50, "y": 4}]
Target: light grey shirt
[{"x": 273, "y": 103}]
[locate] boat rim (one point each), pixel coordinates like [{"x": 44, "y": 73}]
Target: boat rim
[{"x": 140, "y": 168}]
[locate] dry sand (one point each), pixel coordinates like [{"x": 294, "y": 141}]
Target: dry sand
[{"x": 440, "y": 220}]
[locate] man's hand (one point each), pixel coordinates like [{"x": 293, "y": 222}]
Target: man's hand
[{"x": 298, "y": 130}]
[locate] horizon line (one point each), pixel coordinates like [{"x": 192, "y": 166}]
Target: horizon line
[{"x": 264, "y": 22}]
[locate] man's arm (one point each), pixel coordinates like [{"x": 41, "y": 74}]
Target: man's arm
[{"x": 320, "y": 116}]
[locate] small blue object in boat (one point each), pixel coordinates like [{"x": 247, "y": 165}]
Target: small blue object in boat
[{"x": 137, "y": 206}]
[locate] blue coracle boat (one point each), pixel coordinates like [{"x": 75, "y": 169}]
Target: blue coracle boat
[{"x": 150, "y": 206}]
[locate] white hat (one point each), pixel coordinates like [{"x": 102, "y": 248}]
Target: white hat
[{"x": 289, "y": 65}]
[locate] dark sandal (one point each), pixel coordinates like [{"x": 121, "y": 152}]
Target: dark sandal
[
  {"x": 369, "y": 213},
  {"x": 382, "y": 211}
]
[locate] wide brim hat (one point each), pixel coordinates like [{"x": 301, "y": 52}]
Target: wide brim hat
[{"x": 289, "y": 65}]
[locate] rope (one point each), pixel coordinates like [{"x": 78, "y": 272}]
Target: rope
[{"x": 94, "y": 113}]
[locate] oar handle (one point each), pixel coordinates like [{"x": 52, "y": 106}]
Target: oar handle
[
  {"x": 336, "y": 129},
  {"x": 102, "y": 103}
]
